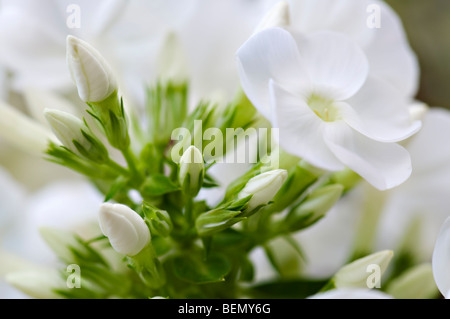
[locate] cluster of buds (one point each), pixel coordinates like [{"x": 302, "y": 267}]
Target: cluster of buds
[{"x": 97, "y": 86}]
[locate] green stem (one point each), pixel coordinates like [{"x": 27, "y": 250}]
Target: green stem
[
  {"x": 189, "y": 211},
  {"x": 131, "y": 162},
  {"x": 368, "y": 222},
  {"x": 116, "y": 167}
]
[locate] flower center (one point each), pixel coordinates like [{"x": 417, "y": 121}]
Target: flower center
[{"x": 323, "y": 107}]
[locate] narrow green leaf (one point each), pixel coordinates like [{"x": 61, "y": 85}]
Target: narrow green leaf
[{"x": 193, "y": 268}]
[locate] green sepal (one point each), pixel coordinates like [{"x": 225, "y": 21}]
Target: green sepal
[
  {"x": 157, "y": 185},
  {"x": 313, "y": 208},
  {"x": 298, "y": 181},
  {"x": 158, "y": 220},
  {"x": 111, "y": 116},
  {"x": 63, "y": 156},
  {"x": 70, "y": 248},
  {"x": 148, "y": 267}
]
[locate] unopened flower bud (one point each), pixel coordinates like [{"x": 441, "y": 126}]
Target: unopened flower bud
[
  {"x": 217, "y": 220},
  {"x": 415, "y": 283},
  {"x": 39, "y": 283},
  {"x": 172, "y": 60},
  {"x": 315, "y": 206},
  {"x": 356, "y": 274},
  {"x": 76, "y": 136},
  {"x": 192, "y": 171},
  {"x": 126, "y": 230},
  {"x": 158, "y": 220},
  {"x": 90, "y": 71},
  {"x": 263, "y": 188}
]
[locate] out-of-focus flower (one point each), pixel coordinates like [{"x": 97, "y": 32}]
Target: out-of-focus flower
[
  {"x": 126, "y": 230},
  {"x": 130, "y": 34},
  {"x": 127, "y": 32},
  {"x": 352, "y": 293},
  {"x": 329, "y": 111},
  {"x": 423, "y": 199},
  {"x": 66, "y": 205},
  {"x": 21, "y": 131},
  {"x": 36, "y": 283},
  {"x": 441, "y": 260},
  {"x": 415, "y": 283}
]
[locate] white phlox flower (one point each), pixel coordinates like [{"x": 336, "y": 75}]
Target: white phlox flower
[{"x": 318, "y": 91}]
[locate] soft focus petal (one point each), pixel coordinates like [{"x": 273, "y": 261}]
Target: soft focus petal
[
  {"x": 270, "y": 54},
  {"x": 423, "y": 198},
  {"x": 212, "y": 35},
  {"x": 352, "y": 293},
  {"x": 441, "y": 260},
  {"x": 278, "y": 16},
  {"x": 328, "y": 243},
  {"x": 12, "y": 195},
  {"x": 22, "y": 132},
  {"x": 38, "y": 100},
  {"x": 345, "y": 16},
  {"x": 381, "y": 113},
  {"x": 335, "y": 64},
  {"x": 384, "y": 165},
  {"x": 301, "y": 130},
  {"x": 65, "y": 205}
]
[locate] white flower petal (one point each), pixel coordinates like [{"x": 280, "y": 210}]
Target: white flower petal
[
  {"x": 390, "y": 55},
  {"x": 380, "y": 112},
  {"x": 278, "y": 16},
  {"x": 335, "y": 64},
  {"x": 269, "y": 54},
  {"x": 384, "y": 165},
  {"x": 441, "y": 259},
  {"x": 301, "y": 130}
]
